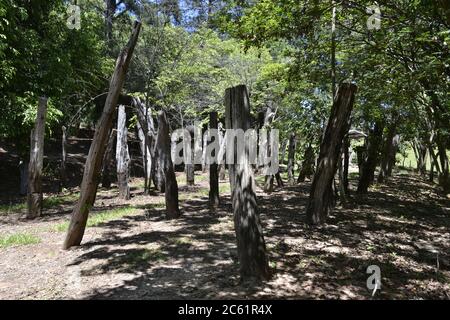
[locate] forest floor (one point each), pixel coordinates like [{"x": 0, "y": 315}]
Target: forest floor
[{"x": 130, "y": 251}]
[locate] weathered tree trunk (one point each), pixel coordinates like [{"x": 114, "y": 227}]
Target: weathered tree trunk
[
  {"x": 291, "y": 158},
  {"x": 23, "y": 169},
  {"x": 250, "y": 240},
  {"x": 221, "y": 159},
  {"x": 392, "y": 155},
  {"x": 146, "y": 130},
  {"x": 163, "y": 147},
  {"x": 370, "y": 163},
  {"x": 213, "y": 169},
  {"x": 89, "y": 184},
  {"x": 36, "y": 162},
  {"x": 63, "y": 159},
  {"x": 306, "y": 171},
  {"x": 330, "y": 147},
  {"x": 344, "y": 177},
  {"x": 420, "y": 151},
  {"x": 189, "y": 165},
  {"x": 283, "y": 151},
  {"x": 387, "y": 152},
  {"x": 444, "y": 177},
  {"x": 122, "y": 155},
  {"x": 108, "y": 160}
]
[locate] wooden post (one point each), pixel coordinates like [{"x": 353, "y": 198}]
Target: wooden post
[
  {"x": 122, "y": 154},
  {"x": 250, "y": 240},
  {"x": 163, "y": 148},
  {"x": 213, "y": 168},
  {"x": 108, "y": 159},
  {"x": 291, "y": 158},
  {"x": 146, "y": 130},
  {"x": 36, "y": 162},
  {"x": 188, "y": 153},
  {"x": 63, "y": 158},
  {"x": 338, "y": 124},
  {"x": 88, "y": 190}
]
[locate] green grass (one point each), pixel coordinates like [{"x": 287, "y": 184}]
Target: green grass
[
  {"x": 48, "y": 203},
  {"x": 18, "y": 239},
  {"x": 98, "y": 218},
  {"x": 11, "y": 208}
]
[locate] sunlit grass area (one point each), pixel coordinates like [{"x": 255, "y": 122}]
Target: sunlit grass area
[
  {"x": 98, "y": 218},
  {"x": 18, "y": 239}
]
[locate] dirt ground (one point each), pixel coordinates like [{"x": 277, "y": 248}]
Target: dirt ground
[{"x": 403, "y": 227}]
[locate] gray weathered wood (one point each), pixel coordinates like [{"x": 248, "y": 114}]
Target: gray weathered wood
[
  {"x": 249, "y": 234},
  {"x": 94, "y": 160},
  {"x": 36, "y": 162},
  {"x": 122, "y": 154}
]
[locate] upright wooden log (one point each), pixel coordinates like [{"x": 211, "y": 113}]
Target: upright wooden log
[
  {"x": 122, "y": 155},
  {"x": 188, "y": 153},
  {"x": 163, "y": 148},
  {"x": 213, "y": 168},
  {"x": 146, "y": 132},
  {"x": 370, "y": 162},
  {"x": 307, "y": 170},
  {"x": 330, "y": 148},
  {"x": 36, "y": 162},
  {"x": 291, "y": 158},
  {"x": 250, "y": 240},
  {"x": 107, "y": 164},
  {"x": 63, "y": 158},
  {"x": 88, "y": 190}
]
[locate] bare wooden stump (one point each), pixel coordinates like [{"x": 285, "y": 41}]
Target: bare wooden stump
[
  {"x": 321, "y": 194},
  {"x": 146, "y": 132},
  {"x": 213, "y": 168},
  {"x": 291, "y": 158},
  {"x": 94, "y": 160},
  {"x": 34, "y": 200},
  {"x": 163, "y": 148},
  {"x": 108, "y": 160},
  {"x": 249, "y": 234},
  {"x": 122, "y": 155}
]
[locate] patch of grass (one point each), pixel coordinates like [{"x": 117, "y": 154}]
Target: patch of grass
[
  {"x": 145, "y": 256},
  {"x": 98, "y": 218},
  {"x": 6, "y": 209},
  {"x": 54, "y": 201},
  {"x": 18, "y": 239},
  {"x": 181, "y": 240}
]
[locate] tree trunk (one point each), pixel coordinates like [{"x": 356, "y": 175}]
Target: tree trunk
[
  {"x": 444, "y": 177},
  {"x": 122, "y": 155},
  {"x": 189, "y": 154},
  {"x": 36, "y": 162},
  {"x": 213, "y": 170},
  {"x": 108, "y": 160},
  {"x": 23, "y": 169},
  {"x": 163, "y": 147},
  {"x": 291, "y": 158},
  {"x": 338, "y": 124},
  {"x": 370, "y": 163},
  {"x": 420, "y": 151},
  {"x": 89, "y": 184},
  {"x": 63, "y": 158},
  {"x": 387, "y": 152},
  {"x": 392, "y": 155},
  {"x": 250, "y": 240},
  {"x": 306, "y": 171},
  {"x": 146, "y": 130},
  {"x": 346, "y": 164}
]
